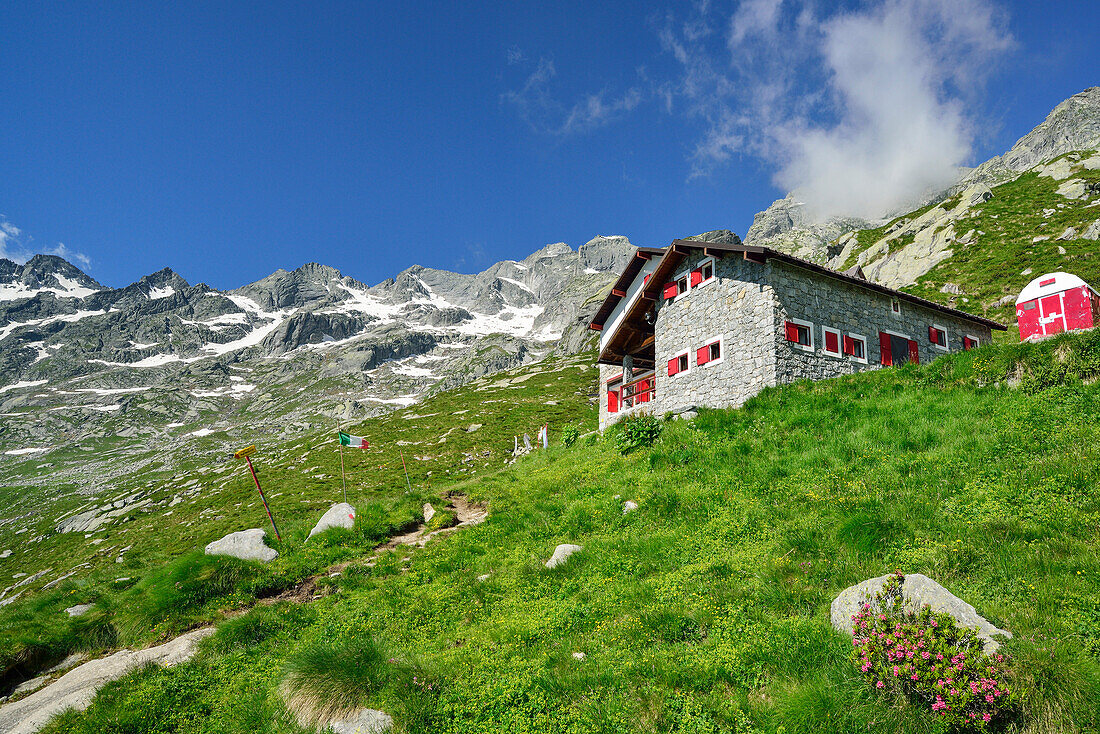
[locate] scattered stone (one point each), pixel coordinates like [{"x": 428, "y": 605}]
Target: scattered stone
[
  {"x": 1073, "y": 189},
  {"x": 75, "y": 689},
  {"x": 562, "y": 553},
  {"x": 1069, "y": 234},
  {"x": 579, "y": 656},
  {"x": 484, "y": 577},
  {"x": 1061, "y": 250},
  {"x": 952, "y": 289},
  {"x": 1058, "y": 170},
  {"x": 79, "y": 609},
  {"x": 1040, "y": 238},
  {"x": 629, "y": 506},
  {"x": 5, "y": 554},
  {"x": 918, "y": 590},
  {"x": 248, "y": 545},
  {"x": 1092, "y": 163},
  {"x": 1093, "y": 232},
  {"x": 429, "y": 512},
  {"x": 687, "y": 415},
  {"x": 364, "y": 721},
  {"x": 340, "y": 515},
  {"x": 473, "y": 427},
  {"x": 1026, "y": 271},
  {"x": 70, "y": 661},
  {"x": 31, "y": 685}
]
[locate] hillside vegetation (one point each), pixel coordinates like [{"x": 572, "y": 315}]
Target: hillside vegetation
[{"x": 707, "y": 608}]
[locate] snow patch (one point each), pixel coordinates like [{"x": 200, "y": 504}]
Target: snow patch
[
  {"x": 69, "y": 317},
  {"x": 21, "y": 452},
  {"x": 21, "y": 384},
  {"x": 201, "y": 432},
  {"x": 106, "y": 408},
  {"x": 155, "y": 294},
  {"x": 516, "y": 283}
]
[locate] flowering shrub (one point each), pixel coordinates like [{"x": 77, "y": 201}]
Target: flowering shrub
[{"x": 926, "y": 657}]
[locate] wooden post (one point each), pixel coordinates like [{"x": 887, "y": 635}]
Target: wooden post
[{"x": 260, "y": 489}]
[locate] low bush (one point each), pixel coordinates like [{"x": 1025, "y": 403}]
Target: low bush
[
  {"x": 925, "y": 657},
  {"x": 635, "y": 431},
  {"x": 570, "y": 434}
]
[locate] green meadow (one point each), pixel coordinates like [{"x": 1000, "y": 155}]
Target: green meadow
[{"x": 705, "y": 610}]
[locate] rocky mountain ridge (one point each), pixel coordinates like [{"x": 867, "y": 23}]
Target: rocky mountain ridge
[
  {"x": 903, "y": 246},
  {"x": 169, "y": 364}
]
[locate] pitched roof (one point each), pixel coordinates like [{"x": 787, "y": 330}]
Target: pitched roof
[{"x": 674, "y": 254}]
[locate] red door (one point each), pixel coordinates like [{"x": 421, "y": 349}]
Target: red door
[
  {"x": 1053, "y": 316},
  {"x": 1027, "y": 317},
  {"x": 1078, "y": 307}
]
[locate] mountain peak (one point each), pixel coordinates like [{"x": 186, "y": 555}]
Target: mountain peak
[{"x": 44, "y": 273}]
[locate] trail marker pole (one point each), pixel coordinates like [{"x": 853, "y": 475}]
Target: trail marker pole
[
  {"x": 340, "y": 444},
  {"x": 246, "y": 454},
  {"x": 407, "y": 482}
]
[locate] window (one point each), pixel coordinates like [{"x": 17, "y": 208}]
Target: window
[
  {"x": 800, "y": 334},
  {"x": 705, "y": 272},
  {"x": 830, "y": 338},
  {"x": 711, "y": 353},
  {"x": 682, "y": 286},
  {"x": 970, "y": 342},
  {"x": 678, "y": 364},
  {"x": 855, "y": 348},
  {"x": 895, "y": 307},
  {"x": 938, "y": 336},
  {"x": 897, "y": 349}
]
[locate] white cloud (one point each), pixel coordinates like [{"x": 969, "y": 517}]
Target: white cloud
[
  {"x": 860, "y": 111},
  {"x": 14, "y": 245},
  {"x": 540, "y": 108}
]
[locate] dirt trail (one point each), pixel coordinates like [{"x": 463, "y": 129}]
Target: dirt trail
[{"x": 77, "y": 687}]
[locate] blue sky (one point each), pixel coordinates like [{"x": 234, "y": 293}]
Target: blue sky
[{"x": 229, "y": 139}]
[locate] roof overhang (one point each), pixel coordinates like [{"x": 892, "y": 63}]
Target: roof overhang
[{"x": 633, "y": 333}]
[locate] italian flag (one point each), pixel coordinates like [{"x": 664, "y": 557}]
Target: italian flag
[{"x": 355, "y": 442}]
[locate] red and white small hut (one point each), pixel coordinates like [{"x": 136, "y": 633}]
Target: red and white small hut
[{"x": 1056, "y": 302}]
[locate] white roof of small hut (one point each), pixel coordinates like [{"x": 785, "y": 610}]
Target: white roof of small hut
[{"x": 1061, "y": 282}]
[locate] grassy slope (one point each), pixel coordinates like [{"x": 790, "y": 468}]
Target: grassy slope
[
  {"x": 707, "y": 609},
  {"x": 302, "y": 479},
  {"x": 991, "y": 265}
]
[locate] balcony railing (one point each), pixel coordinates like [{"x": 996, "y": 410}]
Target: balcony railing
[{"x": 639, "y": 391}]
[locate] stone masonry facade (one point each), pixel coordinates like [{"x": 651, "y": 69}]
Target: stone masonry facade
[{"x": 746, "y": 306}]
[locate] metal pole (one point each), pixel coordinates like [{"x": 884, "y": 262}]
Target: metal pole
[
  {"x": 266, "y": 507},
  {"x": 343, "y": 479}
]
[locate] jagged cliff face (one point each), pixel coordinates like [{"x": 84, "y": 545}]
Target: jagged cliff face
[
  {"x": 164, "y": 359},
  {"x": 898, "y": 250}
]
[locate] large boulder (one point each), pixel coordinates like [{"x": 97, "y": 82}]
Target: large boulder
[
  {"x": 363, "y": 721},
  {"x": 340, "y": 515},
  {"x": 76, "y": 689},
  {"x": 248, "y": 545},
  {"x": 918, "y": 590},
  {"x": 562, "y": 553}
]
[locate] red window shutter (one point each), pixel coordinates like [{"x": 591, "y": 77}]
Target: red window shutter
[
  {"x": 849, "y": 345},
  {"x": 696, "y": 277},
  {"x": 884, "y": 348},
  {"x": 932, "y": 335},
  {"x": 702, "y": 355},
  {"x": 831, "y": 344},
  {"x": 646, "y": 278},
  {"x": 673, "y": 366},
  {"x": 914, "y": 354},
  {"x": 967, "y": 344},
  {"x": 612, "y": 401},
  {"x": 791, "y": 332},
  {"x": 670, "y": 291}
]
